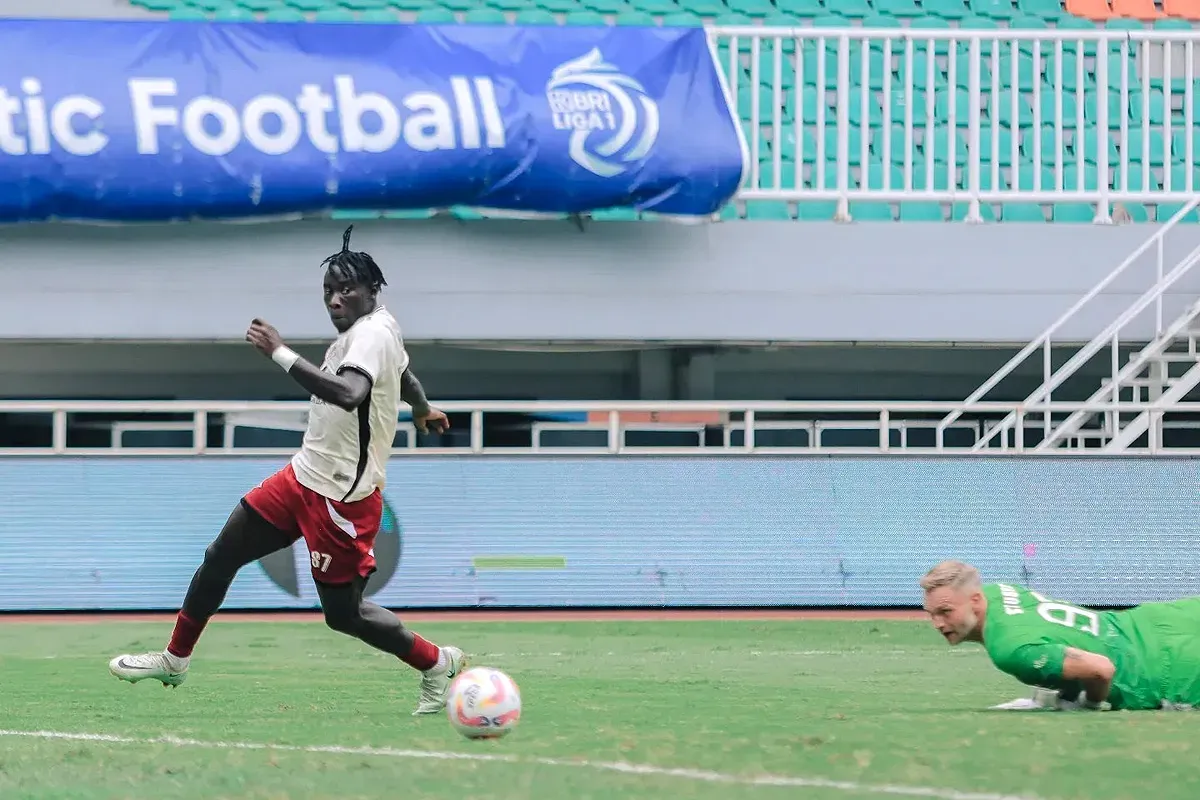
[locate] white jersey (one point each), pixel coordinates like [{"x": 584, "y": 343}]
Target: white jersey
[{"x": 345, "y": 453}]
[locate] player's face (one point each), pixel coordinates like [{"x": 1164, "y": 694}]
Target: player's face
[
  {"x": 953, "y": 613},
  {"x": 346, "y": 301}
]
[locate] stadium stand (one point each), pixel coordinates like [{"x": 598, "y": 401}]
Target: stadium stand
[{"x": 1038, "y": 113}]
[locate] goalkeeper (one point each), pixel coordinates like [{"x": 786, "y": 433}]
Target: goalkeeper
[{"x": 1147, "y": 657}]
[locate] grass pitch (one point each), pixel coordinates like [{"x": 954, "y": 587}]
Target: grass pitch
[{"x": 693, "y": 709}]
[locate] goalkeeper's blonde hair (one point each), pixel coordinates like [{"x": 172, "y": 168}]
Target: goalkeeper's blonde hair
[{"x": 955, "y": 574}]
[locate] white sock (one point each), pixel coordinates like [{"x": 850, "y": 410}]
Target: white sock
[
  {"x": 178, "y": 663},
  {"x": 440, "y": 666}
]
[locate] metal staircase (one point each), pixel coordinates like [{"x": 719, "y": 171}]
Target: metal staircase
[{"x": 1131, "y": 400}]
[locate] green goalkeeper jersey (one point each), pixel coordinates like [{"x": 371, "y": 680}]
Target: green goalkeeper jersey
[{"x": 1155, "y": 647}]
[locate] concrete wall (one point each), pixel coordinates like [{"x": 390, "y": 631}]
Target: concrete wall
[{"x": 519, "y": 281}]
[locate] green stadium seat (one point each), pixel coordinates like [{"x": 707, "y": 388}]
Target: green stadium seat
[
  {"x": 706, "y": 8},
  {"x": 1026, "y": 176},
  {"x": 816, "y": 210},
  {"x": 787, "y": 173},
  {"x": 874, "y": 116},
  {"x": 1070, "y": 107},
  {"x": 1073, "y": 212},
  {"x": 774, "y": 210},
  {"x": 186, "y": 13},
  {"x": 876, "y": 173},
  {"x": 1022, "y": 212},
  {"x": 1165, "y": 211},
  {"x": 1090, "y": 144},
  {"x": 810, "y": 99},
  {"x": 436, "y": 16},
  {"x": 898, "y": 8},
  {"x": 1139, "y": 179},
  {"x": 801, "y": 8},
  {"x": 943, "y": 176},
  {"x": 945, "y": 9},
  {"x": 377, "y": 15},
  {"x": 635, "y": 17},
  {"x": 962, "y": 106},
  {"x": 1089, "y": 175},
  {"x": 996, "y": 9},
  {"x": 285, "y": 15},
  {"x": 919, "y": 211},
  {"x": 937, "y": 23},
  {"x": 1003, "y": 113},
  {"x": 618, "y": 214},
  {"x": 234, "y": 15},
  {"x": 854, "y": 9},
  {"x": 1140, "y": 141},
  {"x": 408, "y": 214},
  {"x": 831, "y": 21},
  {"x": 1136, "y": 211},
  {"x": 937, "y": 147},
  {"x": 680, "y": 19},
  {"x": 485, "y": 16},
  {"x": 1178, "y": 175},
  {"x": 752, "y": 8},
  {"x": 262, "y": 6},
  {"x": 308, "y": 5},
  {"x": 334, "y": 15},
  {"x": 866, "y": 211},
  {"x": 1051, "y": 10},
  {"x": 959, "y": 211}
]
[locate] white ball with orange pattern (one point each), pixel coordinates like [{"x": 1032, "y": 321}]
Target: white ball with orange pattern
[{"x": 483, "y": 703}]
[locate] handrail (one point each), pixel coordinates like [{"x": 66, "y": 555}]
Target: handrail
[
  {"x": 551, "y": 406},
  {"x": 1045, "y": 337},
  {"x": 821, "y": 427}
]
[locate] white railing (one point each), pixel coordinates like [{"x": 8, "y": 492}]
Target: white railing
[
  {"x": 1111, "y": 336},
  {"x": 86, "y": 428},
  {"x": 847, "y": 114}
]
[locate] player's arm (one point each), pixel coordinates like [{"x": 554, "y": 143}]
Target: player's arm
[
  {"x": 347, "y": 389},
  {"x": 425, "y": 416},
  {"x": 1094, "y": 671}
]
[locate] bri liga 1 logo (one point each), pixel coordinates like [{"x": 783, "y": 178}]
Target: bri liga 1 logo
[{"x": 613, "y": 122}]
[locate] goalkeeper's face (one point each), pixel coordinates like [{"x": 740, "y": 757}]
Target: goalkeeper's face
[{"x": 955, "y": 613}]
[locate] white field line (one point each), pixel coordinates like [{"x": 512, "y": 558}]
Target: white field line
[{"x": 704, "y": 776}]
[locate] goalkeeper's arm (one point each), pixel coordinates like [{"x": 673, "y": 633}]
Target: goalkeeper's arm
[{"x": 1094, "y": 671}]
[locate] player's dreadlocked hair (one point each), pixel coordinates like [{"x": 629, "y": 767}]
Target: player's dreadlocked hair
[{"x": 358, "y": 268}]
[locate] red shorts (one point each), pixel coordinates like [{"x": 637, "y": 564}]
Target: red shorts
[{"x": 340, "y": 536}]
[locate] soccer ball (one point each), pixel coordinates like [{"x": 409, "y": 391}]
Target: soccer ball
[{"x": 483, "y": 703}]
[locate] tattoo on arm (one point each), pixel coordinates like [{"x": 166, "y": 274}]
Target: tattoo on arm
[{"x": 412, "y": 392}]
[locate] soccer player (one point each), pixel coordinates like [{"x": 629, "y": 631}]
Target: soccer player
[
  {"x": 1147, "y": 657},
  {"x": 330, "y": 491}
]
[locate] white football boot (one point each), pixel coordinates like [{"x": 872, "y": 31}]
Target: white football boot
[
  {"x": 435, "y": 682},
  {"x": 162, "y": 666}
]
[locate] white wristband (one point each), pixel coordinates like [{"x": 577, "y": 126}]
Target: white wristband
[{"x": 285, "y": 357}]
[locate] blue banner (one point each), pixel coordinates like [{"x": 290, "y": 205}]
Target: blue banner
[
  {"x": 127, "y": 533},
  {"x": 149, "y": 121}
]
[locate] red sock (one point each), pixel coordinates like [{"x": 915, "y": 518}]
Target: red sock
[
  {"x": 183, "y": 638},
  {"x": 423, "y": 656}
]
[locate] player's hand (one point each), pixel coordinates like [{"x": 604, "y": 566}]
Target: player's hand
[
  {"x": 426, "y": 418},
  {"x": 264, "y": 337}
]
